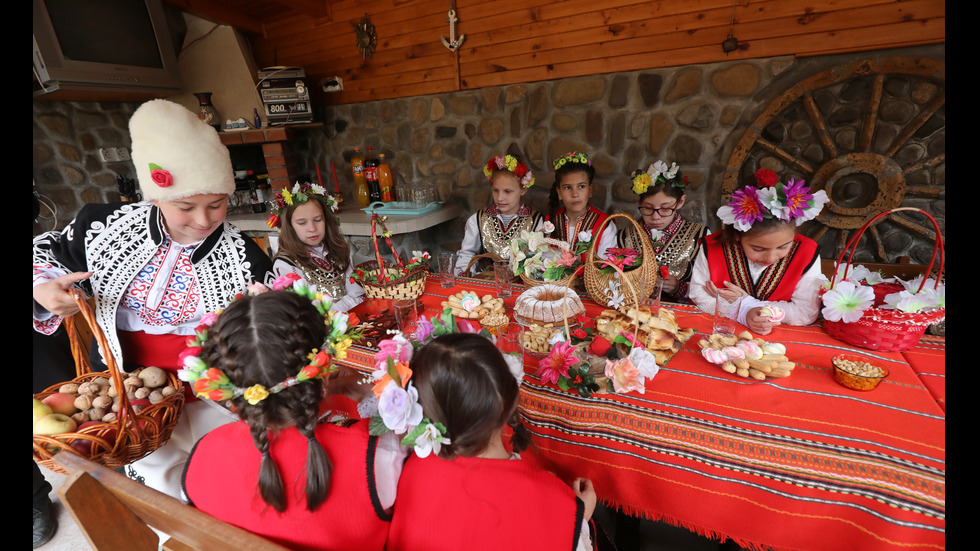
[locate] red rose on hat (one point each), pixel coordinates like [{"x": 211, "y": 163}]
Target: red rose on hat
[{"x": 160, "y": 176}]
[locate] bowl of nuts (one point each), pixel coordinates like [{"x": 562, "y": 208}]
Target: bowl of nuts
[
  {"x": 495, "y": 322},
  {"x": 857, "y": 372}
]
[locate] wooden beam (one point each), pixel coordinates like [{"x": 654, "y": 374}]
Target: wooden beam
[{"x": 213, "y": 11}]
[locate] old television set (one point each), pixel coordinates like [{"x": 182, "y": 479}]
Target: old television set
[{"x": 103, "y": 49}]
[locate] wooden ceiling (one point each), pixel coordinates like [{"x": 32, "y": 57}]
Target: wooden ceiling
[
  {"x": 251, "y": 16},
  {"x": 519, "y": 41}
]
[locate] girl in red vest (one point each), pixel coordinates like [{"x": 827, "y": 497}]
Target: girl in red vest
[
  {"x": 471, "y": 493},
  {"x": 278, "y": 472},
  {"x": 573, "y": 217},
  {"x": 766, "y": 273}
]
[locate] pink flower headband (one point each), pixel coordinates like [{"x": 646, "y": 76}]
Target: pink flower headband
[
  {"x": 510, "y": 164},
  {"x": 791, "y": 202}
]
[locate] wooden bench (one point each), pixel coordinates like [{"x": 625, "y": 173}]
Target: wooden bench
[{"x": 115, "y": 512}]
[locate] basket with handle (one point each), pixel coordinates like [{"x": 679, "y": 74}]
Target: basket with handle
[
  {"x": 887, "y": 329},
  {"x": 640, "y": 281},
  {"x": 392, "y": 281},
  {"x": 133, "y": 435}
]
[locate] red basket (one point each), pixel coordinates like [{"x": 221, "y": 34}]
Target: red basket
[{"x": 884, "y": 329}]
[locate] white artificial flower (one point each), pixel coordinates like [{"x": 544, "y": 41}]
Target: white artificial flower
[
  {"x": 399, "y": 407},
  {"x": 847, "y": 302},
  {"x": 296, "y": 188},
  {"x": 557, "y": 338},
  {"x": 656, "y": 234},
  {"x": 318, "y": 189},
  {"x": 644, "y": 361},
  {"x": 727, "y": 216},
  {"x": 616, "y": 298},
  {"x": 672, "y": 172},
  {"x": 908, "y": 302},
  {"x": 656, "y": 169},
  {"x": 430, "y": 441},
  {"x": 819, "y": 200},
  {"x": 515, "y": 362},
  {"x": 585, "y": 236}
]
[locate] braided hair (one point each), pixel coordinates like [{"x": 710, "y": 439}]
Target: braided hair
[
  {"x": 264, "y": 339},
  {"x": 465, "y": 384}
]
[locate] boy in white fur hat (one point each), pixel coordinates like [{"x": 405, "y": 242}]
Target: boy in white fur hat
[{"x": 155, "y": 267}]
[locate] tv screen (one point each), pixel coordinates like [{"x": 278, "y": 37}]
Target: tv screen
[{"x": 102, "y": 44}]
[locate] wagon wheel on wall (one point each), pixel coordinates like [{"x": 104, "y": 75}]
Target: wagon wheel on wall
[{"x": 873, "y": 135}]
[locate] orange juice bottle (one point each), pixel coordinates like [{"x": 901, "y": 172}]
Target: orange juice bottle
[
  {"x": 386, "y": 181},
  {"x": 360, "y": 181}
]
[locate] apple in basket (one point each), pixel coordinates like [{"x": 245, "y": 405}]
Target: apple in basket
[
  {"x": 54, "y": 423},
  {"x": 61, "y": 402},
  {"x": 84, "y": 446},
  {"x": 40, "y": 410}
]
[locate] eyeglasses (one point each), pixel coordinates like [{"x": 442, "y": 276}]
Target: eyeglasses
[{"x": 664, "y": 212}]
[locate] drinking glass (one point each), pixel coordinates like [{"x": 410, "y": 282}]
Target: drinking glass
[
  {"x": 406, "y": 312},
  {"x": 503, "y": 276},
  {"x": 721, "y": 322},
  {"x": 447, "y": 270}
]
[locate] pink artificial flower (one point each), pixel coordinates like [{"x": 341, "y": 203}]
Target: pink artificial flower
[
  {"x": 624, "y": 375},
  {"x": 285, "y": 281},
  {"x": 209, "y": 318},
  {"x": 557, "y": 363},
  {"x": 798, "y": 197},
  {"x": 567, "y": 258},
  {"x": 398, "y": 349}
]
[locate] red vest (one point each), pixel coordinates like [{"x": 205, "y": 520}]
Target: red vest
[
  {"x": 591, "y": 221},
  {"x": 222, "y": 473},
  {"x": 482, "y": 504},
  {"x": 777, "y": 282}
]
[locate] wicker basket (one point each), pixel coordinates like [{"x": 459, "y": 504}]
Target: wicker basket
[
  {"x": 400, "y": 282},
  {"x": 132, "y": 436},
  {"x": 641, "y": 280},
  {"x": 885, "y": 329}
]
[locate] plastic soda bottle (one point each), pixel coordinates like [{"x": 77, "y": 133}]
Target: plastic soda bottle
[
  {"x": 385, "y": 180},
  {"x": 360, "y": 181},
  {"x": 371, "y": 175}
]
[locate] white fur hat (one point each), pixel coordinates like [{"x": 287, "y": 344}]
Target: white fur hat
[{"x": 176, "y": 155}]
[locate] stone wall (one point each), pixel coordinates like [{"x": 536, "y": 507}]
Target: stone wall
[
  {"x": 67, "y": 168},
  {"x": 693, "y": 115}
]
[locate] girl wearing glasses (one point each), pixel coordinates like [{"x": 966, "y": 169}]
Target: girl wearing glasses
[{"x": 675, "y": 241}]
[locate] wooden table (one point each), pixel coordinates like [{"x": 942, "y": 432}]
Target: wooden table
[{"x": 794, "y": 463}]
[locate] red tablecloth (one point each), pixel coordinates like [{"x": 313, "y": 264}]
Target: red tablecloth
[{"x": 794, "y": 463}]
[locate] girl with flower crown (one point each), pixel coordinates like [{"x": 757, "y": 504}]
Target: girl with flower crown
[
  {"x": 766, "y": 273},
  {"x": 481, "y": 495},
  {"x": 279, "y": 472},
  {"x": 312, "y": 246},
  {"x": 574, "y": 219},
  {"x": 675, "y": 241},
  {"x": 492, "y": 229}
]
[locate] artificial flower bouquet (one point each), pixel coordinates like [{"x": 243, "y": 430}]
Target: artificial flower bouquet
[
  {"x": 586, "y": 362},
  {"x": 539, "y": 258}
]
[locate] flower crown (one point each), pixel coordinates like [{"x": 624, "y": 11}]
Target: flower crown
[
  {"x": 573, "y": 157},
  {"x": 657, "y": 173},
  {"x": 510, "y": 164},
  {"x": 395, "y": 405},
  {"x": 790, "y": 202},
  {"x": 300, "y": 194},
  {"x": 213, "y": 384}
]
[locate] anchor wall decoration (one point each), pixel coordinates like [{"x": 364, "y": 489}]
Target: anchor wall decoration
[{"x": 453, "y": 43}]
